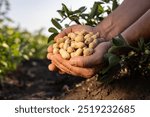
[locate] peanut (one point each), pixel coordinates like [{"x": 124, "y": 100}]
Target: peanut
[
  {"x": 70, "y": 49},
  {"x": 83, "y": 32},
  {"x": 79, "y": 38},
  {"x": 95, "y": 36},
  {"x": 65, "y": 46},
  {"x": 72, "y": 35},
  {"x": 78, "y": 52},
  {"x": 55, "y": 50},
  {"x": 64, "y": 54},
  {"x": 88, "y": 40},
  {"x": 61, "y": 45},
  {"x": 93, "y": 44},
  {"x": 60, "y": 40},
  {"x": 73, "y": 44},
  {"x": 76, "y": 44},
  {"x": 55, "y": 45},
  {"x": 79, "y": 45},
  {"x": 87, "y": 36},
  {"x": 88, "y": 51}
]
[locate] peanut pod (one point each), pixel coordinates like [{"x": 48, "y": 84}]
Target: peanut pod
[
  {"x": 79, "y": 38},
  {"x": 88, "y": 51},
  {"x": 55, "y": 50},
  {"x": 79, "y": 45},
  {"x": 64, "y": 54}
]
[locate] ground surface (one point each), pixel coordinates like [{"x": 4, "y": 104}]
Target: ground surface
[{"x": 32, "y": 80}]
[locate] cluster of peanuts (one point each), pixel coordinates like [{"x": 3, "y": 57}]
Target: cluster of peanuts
[{"x": 76, "y": 44}]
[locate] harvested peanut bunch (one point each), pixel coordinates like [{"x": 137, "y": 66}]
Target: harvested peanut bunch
[{"x": 76, "y": 44}]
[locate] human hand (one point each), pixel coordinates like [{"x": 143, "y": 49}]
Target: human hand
[
  {"x": 84, "y": 66},
  {"x": 74, "y": 28}
]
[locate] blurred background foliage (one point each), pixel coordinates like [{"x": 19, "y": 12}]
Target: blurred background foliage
[{"x": 17, "y": 45}]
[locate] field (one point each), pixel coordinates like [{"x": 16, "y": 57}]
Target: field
[
  {"x": 34, "y": 81},
  {"x": 24, "y": 70}
]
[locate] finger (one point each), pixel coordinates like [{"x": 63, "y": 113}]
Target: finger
[
  {"x": 92, "y": 60},
  {"x": 49, "y": 56},
  {"x": 52, "y": 67},
  {"x": 61, "y": 72},
  {"x": 85, "y": 61},
  {"x": 50, "y": 49},
  {"x": 58, "y": 63},
  {"x": 76, "y": 71},
  {"x": 83, "y": 72},
  {"x": 100, "y": 40},
  {"x": 81, "y": 61}
]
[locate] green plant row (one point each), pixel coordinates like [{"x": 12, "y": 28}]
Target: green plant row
[{"x": 17, "y": 45}]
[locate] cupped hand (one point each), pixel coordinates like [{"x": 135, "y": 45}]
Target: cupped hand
[
  {"x": 73, "y": 28},
  {"x": 84, "y": 66}
]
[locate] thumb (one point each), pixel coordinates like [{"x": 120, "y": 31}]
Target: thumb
[{"x": 82, "y": 61}]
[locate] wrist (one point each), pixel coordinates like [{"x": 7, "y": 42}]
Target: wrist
[
  {"x": 107, "y": 28},
  {"x": 130, "y": 36}
]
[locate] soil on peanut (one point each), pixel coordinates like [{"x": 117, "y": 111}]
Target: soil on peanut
[{"x": 32, "y": 80}]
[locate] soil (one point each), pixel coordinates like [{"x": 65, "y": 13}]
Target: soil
[{"x": 32, "y": 80}]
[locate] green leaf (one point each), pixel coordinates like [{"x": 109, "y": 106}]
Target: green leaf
[
  {"x": 84, "y": 16},
  {"x": 52, "y": 37},
  {"x": 107, "y": 1},
  {"x": 5, "y": 45},
  {"x": 57, "y": 19},
  {"x": 141, "y": 44},
  {"x": 119, "y": 41},
  {"x": 61, "y": 13},
  {"x": 66, "y": 9},
  {"x": 113, "y": 60},
  {"x": 56, "y": 24},
  {"x": 115, "y": 4},
  {"x": 66, "y": 25},
  {"x": 100, "y": 9},
  {"x": 53, "y": 30},
  {"x": 4, "y": 63},
  {"x": 51, "y": 42},
  {"x": 75, "y": 18},
  {"x": 108, "y": 10},
  {"x": 80, "y": 10},
  {"x": 94, "y": 10}
]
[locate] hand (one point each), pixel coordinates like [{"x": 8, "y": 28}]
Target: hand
[
  {"x": 80, "y": 66},
  {"x": 73, "y": 28}
]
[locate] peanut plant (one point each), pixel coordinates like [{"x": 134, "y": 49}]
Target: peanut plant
[
  {"x": 68, "y": 16},
  {"x": 126, "y": 60}
]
